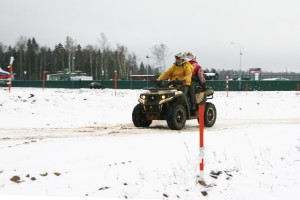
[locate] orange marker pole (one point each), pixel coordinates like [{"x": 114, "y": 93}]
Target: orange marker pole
[
  {"x": 227, "y": 84},
  {"x": 115, "y": 82},
  {"x": 10, "y": 72},
  {"x": 201, "y": 150},
  {"x": 44, "y": 74}
]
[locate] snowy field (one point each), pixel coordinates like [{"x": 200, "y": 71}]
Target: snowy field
[{"x": 78, "y": 143}]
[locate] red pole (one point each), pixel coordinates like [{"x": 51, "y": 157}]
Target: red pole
[
  {"x": 44, "y": 73},
  {"x": 201, "y": 150},
  {"x": 115, "y": 82},
  {"x": 246, "y": 88},
  {"x": 227, "y": 84},
  {"x": 10, "y": 72}
]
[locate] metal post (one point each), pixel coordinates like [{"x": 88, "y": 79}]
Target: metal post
[
  {"x": 130, "y": 73},
  {"x": 147, "y": 68},
  {"x": 73, "y": 64}
]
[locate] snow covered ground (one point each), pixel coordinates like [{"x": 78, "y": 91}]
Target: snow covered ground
[{"x": 69, "y": 143}]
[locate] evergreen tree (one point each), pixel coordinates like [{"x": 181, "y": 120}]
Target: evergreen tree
[
  {"x": 79, "y": 62},
  {"x": 2, "y": 56},
  {"x": 35, "y": 48},
  {"x": 143, "y": 68},
  {"x": 59, "y": 54}
]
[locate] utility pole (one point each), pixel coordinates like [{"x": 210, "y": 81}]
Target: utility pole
[
  {"x": 240, "y": 73},
  {"x": 147, "y": 68}
]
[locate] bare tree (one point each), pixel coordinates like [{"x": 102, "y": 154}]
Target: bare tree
[
  {"x": 97, "y": 53},
  {"x": 21, "y": 47},
  {"x": 131, "y": 62},
  {"x": 104, "y": 47},
  {"x": 159, "y": 53},
  {"x": 70, "y": 48},
  {"x": 90, "y": 50},
  {"x": 121, "y": 58}
]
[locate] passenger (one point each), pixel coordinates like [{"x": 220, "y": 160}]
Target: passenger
[
  {"x": 197, "y": 76},
  {"x": 180, "y": 70}
]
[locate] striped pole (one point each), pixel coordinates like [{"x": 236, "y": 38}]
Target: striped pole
[
  {"x": 201, "y": 149},
  {"x": 227, "y": 84},
  {"x": 115, "y": 82},
  {"x": 10, "y": 72}
]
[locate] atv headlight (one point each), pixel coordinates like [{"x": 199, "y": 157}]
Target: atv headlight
[
  {"x": 143, "y": 97},
  {"x": 178, "y": 92},
  {"x": 163, "y": 97}
]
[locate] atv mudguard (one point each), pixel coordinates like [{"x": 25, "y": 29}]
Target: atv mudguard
[{"x": 182, "y": 99}]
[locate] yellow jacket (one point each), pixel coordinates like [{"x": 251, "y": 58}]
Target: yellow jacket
[{"x": 179, "y": 72}]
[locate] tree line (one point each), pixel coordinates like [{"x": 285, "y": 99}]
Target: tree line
[{"x": 99, "y": 61}]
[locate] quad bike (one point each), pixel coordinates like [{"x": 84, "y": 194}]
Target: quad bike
[{"x": 167, "y": 102}]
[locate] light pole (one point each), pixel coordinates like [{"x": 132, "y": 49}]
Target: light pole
[
  {"x": 73, "y": 64},
  {"x": 147, "y": 68},
  {"x": 240, "y": 76}
]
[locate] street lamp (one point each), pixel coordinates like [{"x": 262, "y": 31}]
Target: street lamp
[
  {"x": 240, "y": 81},
  {"x": 147, "y": 68},
  {"x": 73, "y": 64}
]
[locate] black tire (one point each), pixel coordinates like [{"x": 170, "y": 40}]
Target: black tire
[
  {"x": 176, "y": 117},
  {"x": 210, "y": 114},
  {"x": 138, "y": 118}
]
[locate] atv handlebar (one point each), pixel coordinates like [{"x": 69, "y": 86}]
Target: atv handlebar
[{"x": 174, "y": 83}]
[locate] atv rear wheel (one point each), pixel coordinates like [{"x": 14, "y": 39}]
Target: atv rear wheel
[
  {"x": 210, "y": 114},
  {"x": 139, "y": 119},
  {"x": 176, "y": 117}
]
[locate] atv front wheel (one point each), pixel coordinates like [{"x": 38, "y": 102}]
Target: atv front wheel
[
  {"x": 139, "y": 119},
  {"x": 210, "y": 114},
  {"x": 176, "y": 117}
]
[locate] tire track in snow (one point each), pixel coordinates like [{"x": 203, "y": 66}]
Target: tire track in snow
[{"x": 157, "y": 127}]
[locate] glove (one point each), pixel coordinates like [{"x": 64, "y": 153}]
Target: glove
[{"x": 158, "y": 79}]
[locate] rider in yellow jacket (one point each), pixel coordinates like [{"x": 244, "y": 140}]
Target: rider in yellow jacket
[{"x": 181, "y": 70}]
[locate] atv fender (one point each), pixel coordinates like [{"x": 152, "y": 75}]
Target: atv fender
[{"x": 182, "y": 99}]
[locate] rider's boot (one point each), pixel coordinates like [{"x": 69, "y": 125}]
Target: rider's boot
[{"x": 194, "y": 107}]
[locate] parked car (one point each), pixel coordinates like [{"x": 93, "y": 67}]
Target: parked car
[{"x": 95, "y": 85}]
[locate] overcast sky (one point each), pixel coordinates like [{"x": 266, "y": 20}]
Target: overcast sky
[{"x": 268, "y": 30}]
